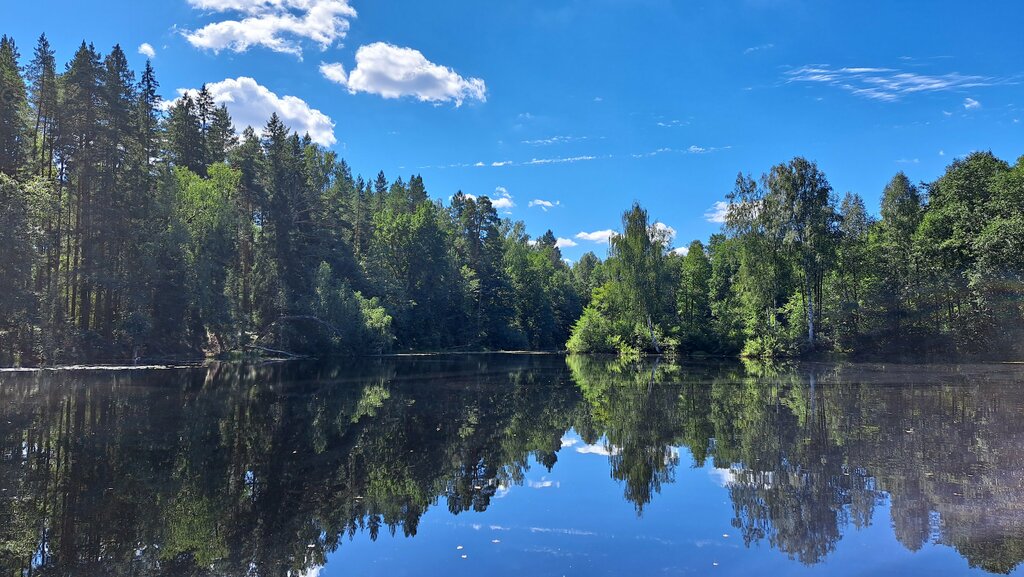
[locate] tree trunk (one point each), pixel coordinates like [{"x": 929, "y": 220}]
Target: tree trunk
[{"x": 810, "y": 314}]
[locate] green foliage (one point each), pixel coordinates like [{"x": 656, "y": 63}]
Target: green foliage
[
  {"x": 353, "y": 324},
  {"x": 133, "y": 234}
]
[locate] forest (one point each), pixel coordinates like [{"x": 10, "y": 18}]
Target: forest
[{"x": 134, "y": 228}]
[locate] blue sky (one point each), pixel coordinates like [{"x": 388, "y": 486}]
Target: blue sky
[{"x": 590, "y": 105}]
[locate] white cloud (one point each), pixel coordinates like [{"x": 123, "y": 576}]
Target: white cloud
[
  {"x": 565, "y": 243},
  {"x": 682, "y": 251},
  {"x": 887, "y": 84},
  {"x": 717, "y": 213},
  {"x": 723, "y": 477},
  {"x": 543, "y": 484},
  {"x": 394, "y": 72},
  {"x": 502, "y": 199},
  {"x": 561, "y": 160},
  {"x": 671, "y": 123},
  {"x": 576, "y": 532},
  {"x": 334, "y": 72},
  {"x": 554, "y": 140},
  {"x": 597, "y": 450},
  {"x": 252, "y": 104},
  {"x": 599, "y": 236},
  {"x": 909, "y": 161},
  {"x": 146, "y": 49},
  {"x": 759, "y": 48},
  {"x": 544, "y": 205},
  {"x": 694, "y": 149},
  {"x": 662, "y": 231},
  {"x": 942, "y": 153},
  {"x": 275, "y": 24},
  {"x": 971, "y": 104}
]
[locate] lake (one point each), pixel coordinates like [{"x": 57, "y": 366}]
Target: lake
[{"x": 513, "y": 465}]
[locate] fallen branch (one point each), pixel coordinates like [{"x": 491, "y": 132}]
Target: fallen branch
[{"x": 276, "y": 352}]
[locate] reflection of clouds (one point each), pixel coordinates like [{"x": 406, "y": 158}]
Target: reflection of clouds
[
  {"x": 575, "y": 532},
  {"x": 724, "y": 477},
  {"x": 549, "y": 551},
  {"x": 501, "y": 491},
  {"x": 311, "y": 572},
  {"x": 672, "y": 455},
  {"x": 568, "y": 442},
  {"x": 598, "y": 450},
  {"x": 543, "y": 484}
]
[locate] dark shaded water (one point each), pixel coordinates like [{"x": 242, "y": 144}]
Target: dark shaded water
[{"x": 513, "y": 465}]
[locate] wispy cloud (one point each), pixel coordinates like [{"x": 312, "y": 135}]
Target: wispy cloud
[
  {"x": 759, "y": 48},
  {"x": 561, "y": 160},
  {"x": 544, "y": 205},
  {"x": 718, "y": 212},
  {"x": 887, "y": 84},
  {"x": 576, "y": 532},
  {"x": 971, "y": 104},
  {"x": 692, "y": 149},
  {"x": 909, "y": 161},
  {"x": 555, "y": 140}
]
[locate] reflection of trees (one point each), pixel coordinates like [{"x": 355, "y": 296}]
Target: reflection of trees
[
  {"x": 233, "y": 467},
  {"x": 811, "y": 450},
  {"x": 637, "y": 418},
  {"x": 227, "y": 468}
]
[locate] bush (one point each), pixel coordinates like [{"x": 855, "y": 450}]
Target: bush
[{"x": 593, "y": 333}]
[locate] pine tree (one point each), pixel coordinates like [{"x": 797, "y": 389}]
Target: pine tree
[
  {"x": 13, "y": 110},
  {"x": 42, "y": 76},
  {"x": 185, "y": 142}
]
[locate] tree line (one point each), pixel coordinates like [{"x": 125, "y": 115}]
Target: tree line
[
  {"x": 798, "y": 270},
  {"x": 135, "y": 228}
]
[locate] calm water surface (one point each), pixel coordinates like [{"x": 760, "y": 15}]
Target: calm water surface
[{"x": 513, "y": 465}]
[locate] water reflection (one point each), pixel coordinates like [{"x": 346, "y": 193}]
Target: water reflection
[{"x": 265, "y": 470}]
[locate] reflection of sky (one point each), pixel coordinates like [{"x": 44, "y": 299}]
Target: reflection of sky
[{"x": 580, "y": 524}]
